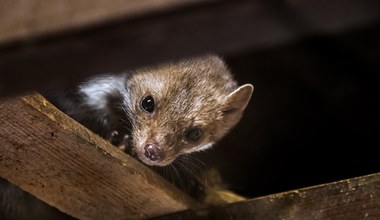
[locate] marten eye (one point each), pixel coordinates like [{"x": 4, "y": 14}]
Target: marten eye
[
  {"x": 147, "y": 104},
  {"x": 194, "y": 134}
]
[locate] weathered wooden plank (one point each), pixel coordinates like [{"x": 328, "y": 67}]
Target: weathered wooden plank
[
  {"x": 357, "y": 198},
  {"x": 128, "y": 42},
  {"x": 20, "y": 19},
  {"x": 48, "y": 154}
]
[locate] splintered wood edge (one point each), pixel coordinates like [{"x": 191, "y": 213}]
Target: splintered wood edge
[
  {"x": 59, "y": 161},
  {"x": 356, "y": 198}
]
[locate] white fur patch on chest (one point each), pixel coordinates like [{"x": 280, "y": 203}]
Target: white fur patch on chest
[{"x": 97, "y": 89}]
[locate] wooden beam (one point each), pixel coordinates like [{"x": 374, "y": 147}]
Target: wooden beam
[
  {"x": 357, "y": 198},
  {"x": 51, "y": 156},
  {"x": 27, "y": 19},
  {"x": 113, "y": 45}
]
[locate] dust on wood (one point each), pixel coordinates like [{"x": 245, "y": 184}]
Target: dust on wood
[{"x": 357, "y": 198}]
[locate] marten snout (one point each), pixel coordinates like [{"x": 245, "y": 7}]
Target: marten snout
[{"x": 153, "y": 152}]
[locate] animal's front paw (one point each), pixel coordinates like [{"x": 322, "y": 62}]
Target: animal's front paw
[
  {"x": 121, "y": 141},
  {"x": 124, "y": 144}
]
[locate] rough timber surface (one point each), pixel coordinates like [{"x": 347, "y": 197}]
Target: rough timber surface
[
  {"x": 51, "y": 156},
  {"x": 351, "y": 199}
]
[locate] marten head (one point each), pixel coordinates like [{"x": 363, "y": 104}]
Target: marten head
[{"x": 182, "y": 107}]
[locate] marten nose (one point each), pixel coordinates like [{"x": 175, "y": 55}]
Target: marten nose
[{"x": 153, "y": 152}]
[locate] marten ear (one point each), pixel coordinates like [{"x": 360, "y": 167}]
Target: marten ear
[
  {"x": 238, "y": 99},
  {"x": 236, "y": 102}
]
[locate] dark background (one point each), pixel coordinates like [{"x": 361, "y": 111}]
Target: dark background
[{"x": 313, "y": 117}]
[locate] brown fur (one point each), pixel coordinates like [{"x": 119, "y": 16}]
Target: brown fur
[{"x": 197, "y": 92}]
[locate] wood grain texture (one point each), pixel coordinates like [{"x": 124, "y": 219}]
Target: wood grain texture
[
  {"x": 357, "y": 198},
  {"x": 128, "y": 42},
  {"x": 48, "y": 154}
]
